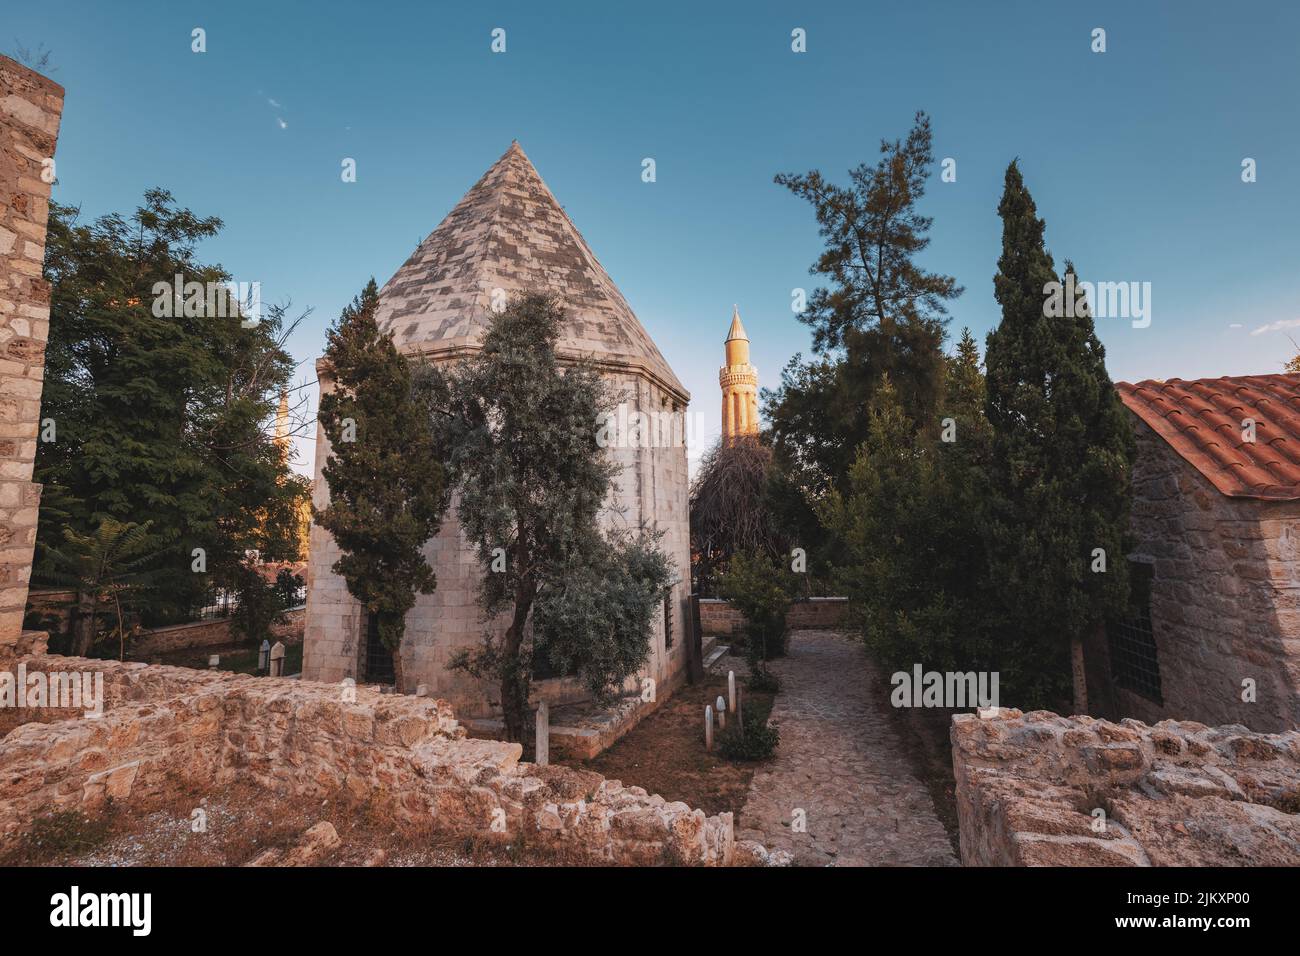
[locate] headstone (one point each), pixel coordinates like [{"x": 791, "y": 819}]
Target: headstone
[
  {"x": 214, "y": 661},
  {"x": 722, "y": 712},
  {"x": 422, "y": 690},
  {"x": 543, "y": 746},
  {"x": 708, "y": 727},
  {"x": 264, "y": 657},
  {"x": 277, "y": 659},
  {"x": 731, "y": 691}
]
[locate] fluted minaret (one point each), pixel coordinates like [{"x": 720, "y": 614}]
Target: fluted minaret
[
  {"x": 282, "y": 424},
  {"x": 739, "y": 381}
]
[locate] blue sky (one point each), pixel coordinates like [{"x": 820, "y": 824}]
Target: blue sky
[{"x": 1133, "y": 155}]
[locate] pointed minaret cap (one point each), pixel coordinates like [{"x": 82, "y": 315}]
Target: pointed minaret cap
[{"x": 737, "y": 330}]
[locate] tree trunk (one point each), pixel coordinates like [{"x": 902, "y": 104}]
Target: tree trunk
[
  {"x": 386, "y": 629},
  {"x": 397, "y": 669},
  {"x": 83, "y": 629},
  {"x": 1079, "y": 677},
  {"x": 514, "y": 675}
]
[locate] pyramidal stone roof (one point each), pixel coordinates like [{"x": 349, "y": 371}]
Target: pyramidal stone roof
[{"x": 510, "y": 233}]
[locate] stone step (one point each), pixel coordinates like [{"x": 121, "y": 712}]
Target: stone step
[{"x": 714, "y": 654}]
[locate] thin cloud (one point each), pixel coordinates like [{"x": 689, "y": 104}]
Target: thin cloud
[{"x": 1277, "y": 326}]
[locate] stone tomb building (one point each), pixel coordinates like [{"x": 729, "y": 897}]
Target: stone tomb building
[
  {"x": 508, "y": 235},
  {"x": 1214, "y": 633}
]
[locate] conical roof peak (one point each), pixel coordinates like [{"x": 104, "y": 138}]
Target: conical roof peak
[
  {"x": 737, "y": 331},
  {"x": 509, "y": 235}
]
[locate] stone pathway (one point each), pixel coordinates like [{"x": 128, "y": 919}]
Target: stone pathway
[{"x": 840, "y": 761}]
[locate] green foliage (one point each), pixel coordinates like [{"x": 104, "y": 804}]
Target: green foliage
[
  {"x": 111, "y": 570},
  {"x": 761, "y": 589},
  {"x": 1062, "y": 452},
  {"x": 759, "y": 740},
  {"x": 386, "y": 480},
  {"x": 881, "y": 316},
  {"x": 287, "y": 586},
  {"x": 910, "y": 528},
  {"x": 521, "y": 434},
  {"x": 158, "y": 418},
  {"x": 592, "y": 621},
  {"x": 260, "y": 606},
  {"x": 763, "y": 680}
]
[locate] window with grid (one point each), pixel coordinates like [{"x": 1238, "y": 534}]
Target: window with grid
[
  {"x": 668, "y": 620},
  {"x": 1133, "y": 660}
]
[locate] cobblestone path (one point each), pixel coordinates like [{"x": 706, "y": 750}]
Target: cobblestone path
[{"x": 841, "y": 761}]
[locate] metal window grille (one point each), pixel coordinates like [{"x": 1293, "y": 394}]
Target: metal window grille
[
  {"x": 378, "y": 665},
  {"x": 1134, "y": 662},
  {"x": 668, "y": 620}
]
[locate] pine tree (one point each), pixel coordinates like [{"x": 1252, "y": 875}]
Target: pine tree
[
  {"x": 882, "y": 315},
  {"x": 1062, "y": 452},
  {"x": 385, "y": 474}
]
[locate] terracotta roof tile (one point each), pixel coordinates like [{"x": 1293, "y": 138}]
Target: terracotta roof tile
[{"x": 1203, "y": 421}]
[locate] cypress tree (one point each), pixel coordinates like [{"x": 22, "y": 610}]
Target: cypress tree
[
  {"x": 385, "y": 475},
  {"x": 1062, "y": 450}
]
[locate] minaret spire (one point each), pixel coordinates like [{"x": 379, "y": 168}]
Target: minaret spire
[{"x": 739, "y": 381}]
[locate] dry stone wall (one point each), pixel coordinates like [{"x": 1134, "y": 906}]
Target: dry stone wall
[
  {"x": 169, "y": 730},
  {"x": 1041, "y": 790},
  {"x": 30, "y": 109}
]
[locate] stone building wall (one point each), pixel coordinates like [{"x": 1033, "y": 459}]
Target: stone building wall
[
  {"x": 1225, "y": 599},
  {"x": 651, "y": 488},
  {"x": 719, "y": 619},
  {"x": 171, "y": 731},
  {"x": 30, "y": 110},
  {"x": 1041, "y": 790}
]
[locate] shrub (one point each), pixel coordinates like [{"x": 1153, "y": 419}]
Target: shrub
[
  {"x": 761, "y": 590},
  {"x": 763, "y": 681},
  {"x": 759, "y": 740}
]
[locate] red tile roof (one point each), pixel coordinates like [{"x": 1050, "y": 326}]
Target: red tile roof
[{"x": 1203, "y": 422}]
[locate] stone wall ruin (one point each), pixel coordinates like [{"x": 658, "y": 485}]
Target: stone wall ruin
[
  {"x": 1041, "y": 790},
  {"x": 167, "y": 730}
]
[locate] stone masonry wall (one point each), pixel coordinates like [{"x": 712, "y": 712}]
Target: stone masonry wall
[
  {"x": 167, "y": 730},
  {"x": 718, "y": 618},
  {"x": 1174, "y": 794},
  {"x": 30, "y": 109},
  {"x": 651, "y": 488},
  {"x": 1225, "y": 599}
]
